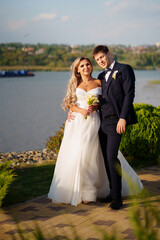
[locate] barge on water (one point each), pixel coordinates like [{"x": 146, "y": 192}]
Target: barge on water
[{"x": 19, "y": 73}]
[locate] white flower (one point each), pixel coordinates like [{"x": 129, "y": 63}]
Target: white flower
[{"x": 114, "y": 75}]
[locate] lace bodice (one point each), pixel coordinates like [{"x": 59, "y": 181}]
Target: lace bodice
[{"x": 80, "y": 93}]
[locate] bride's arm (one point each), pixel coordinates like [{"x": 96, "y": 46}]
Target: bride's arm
[
  {"x": 75, "y": 108},
  {"x": 83, "y": 111}
]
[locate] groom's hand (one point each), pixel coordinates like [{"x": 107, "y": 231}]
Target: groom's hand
[{"x": 121, "y": 126}]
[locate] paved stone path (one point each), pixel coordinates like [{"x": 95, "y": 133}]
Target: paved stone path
[{"x": 59, "y": 221}]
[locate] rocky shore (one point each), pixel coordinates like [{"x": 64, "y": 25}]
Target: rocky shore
[{"x": 28, "y": 157}]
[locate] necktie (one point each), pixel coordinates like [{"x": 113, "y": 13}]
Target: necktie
[{"x": 107, "y": 70}]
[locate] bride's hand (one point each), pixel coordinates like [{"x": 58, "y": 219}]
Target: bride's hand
[
  {"x": 84, "y": 112},
  {"x": 92, "y": 108}
]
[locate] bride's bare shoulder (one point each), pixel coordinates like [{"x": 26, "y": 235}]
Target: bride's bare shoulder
[{"x": 98, "y": 82}]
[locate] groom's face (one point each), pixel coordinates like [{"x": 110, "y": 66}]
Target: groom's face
[{"x": 104, "y": 60}]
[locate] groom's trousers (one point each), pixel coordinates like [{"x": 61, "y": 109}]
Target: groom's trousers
[{"x": 110, "y": 141}]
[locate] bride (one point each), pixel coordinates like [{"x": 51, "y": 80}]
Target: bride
[{"x": 80, "y": 174}]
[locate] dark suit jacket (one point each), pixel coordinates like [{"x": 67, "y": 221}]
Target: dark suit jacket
[{"x": 121, "y": 91}]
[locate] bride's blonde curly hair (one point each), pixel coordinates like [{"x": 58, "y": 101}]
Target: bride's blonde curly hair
[{"x": 74, "y": 81}]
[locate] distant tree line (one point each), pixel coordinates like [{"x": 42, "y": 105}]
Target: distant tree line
[{"x": 62, "y": 56}]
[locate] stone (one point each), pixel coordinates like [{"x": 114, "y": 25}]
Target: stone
[{"x": 28, "y": 157}]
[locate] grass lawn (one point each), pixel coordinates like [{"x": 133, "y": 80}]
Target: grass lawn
[
  {"x": 30, "y": 182},
  {"x": 154, "y": 82},
  {"x": 34, "y": 181}
]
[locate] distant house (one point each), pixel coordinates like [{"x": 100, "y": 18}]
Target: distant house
[
  {"x": 141, "y": 49},
  {"x": 11, "y": 48},
  {"x": 39, "y": 51},
  {"x": 158, "y": 44},
  {"x": 29, "y": 50}
]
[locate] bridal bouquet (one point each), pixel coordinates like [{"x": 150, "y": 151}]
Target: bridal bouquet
[{"x": 91, "y": 99}]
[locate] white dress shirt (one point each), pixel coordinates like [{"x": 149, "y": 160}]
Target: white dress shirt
[{"x": 109, "y": 72}]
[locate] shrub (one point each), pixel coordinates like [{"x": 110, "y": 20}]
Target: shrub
[
  {"x": 6, "y": 178},
  {"x": 144, "y": 215},
  {"x": 140, "y": 142},
  {"x": 54, "y": 142}
]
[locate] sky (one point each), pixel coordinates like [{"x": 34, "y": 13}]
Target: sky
[{"x": 82, "y": 22}]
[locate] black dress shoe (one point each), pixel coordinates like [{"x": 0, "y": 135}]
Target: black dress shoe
[
  {"x": 107, "y": 199},
  {"x": 116, "y": 204}
]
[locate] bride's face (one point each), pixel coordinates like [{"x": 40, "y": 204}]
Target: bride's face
[{"x": 85, "y": 68}]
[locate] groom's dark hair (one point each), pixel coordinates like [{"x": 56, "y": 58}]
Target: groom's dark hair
[{"x": 100, "y": 48}]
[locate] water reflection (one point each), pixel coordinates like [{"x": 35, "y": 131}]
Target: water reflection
[{"x": 30, "y": 109}]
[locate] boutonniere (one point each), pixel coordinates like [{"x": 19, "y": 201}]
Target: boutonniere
[{"x": 114, "y": 75}]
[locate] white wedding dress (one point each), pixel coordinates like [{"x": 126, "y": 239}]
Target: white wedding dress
[{"x": 80, "y": 171}]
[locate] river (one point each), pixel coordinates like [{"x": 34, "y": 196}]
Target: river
[{"x": 30, "y": 109}]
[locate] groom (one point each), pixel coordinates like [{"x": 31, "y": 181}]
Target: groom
[{"x": 116, "y": 111}]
